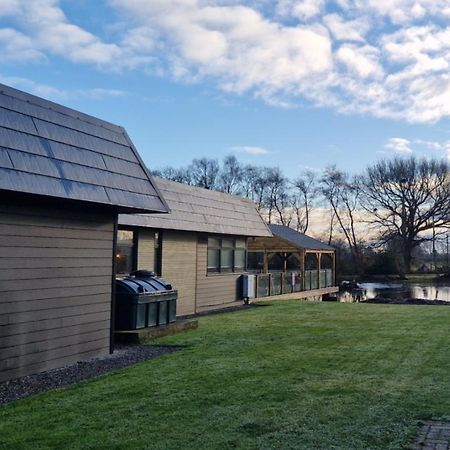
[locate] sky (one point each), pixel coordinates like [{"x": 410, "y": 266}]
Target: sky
[{"x": 298, "y": 84}]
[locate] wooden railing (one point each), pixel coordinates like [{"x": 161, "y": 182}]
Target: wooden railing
[{"x": 278, "y": 283}]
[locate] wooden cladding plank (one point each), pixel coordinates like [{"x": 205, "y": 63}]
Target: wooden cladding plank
[
  {"x": 54, "y": 333},
  {"x": 64, "y": 272},
  {"x": 24, "y": 263},
  {"x": 13, "y": 356},
  {"x": 67, "y": 215},
  {"x": 49, "y": 283},
  {"x": 31, "y": 252},
  {"x": 20, "y": 229},
  {"x": 146, "y": 249},
  {"x": 53, "y": 298},
  {"x": 212, "y": 307},
  {"x": 50, "y": 323},
  {"x": 179, "y": 266},
  {"x": 53, "y": 242},
  {"x": 53, "y": 363},
  {"x": 62, "y": 313},
  {"x": 54, "y": 222}
]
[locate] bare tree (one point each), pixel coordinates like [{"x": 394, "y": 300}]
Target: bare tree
[
  {"x": 406, "y": 198},
  {"x": 278, "y": 200},
  {"x": 331, "y": 225},
  {"x": 181, "y": 175},
  {"x": 343, "y": 194},
  {"x": 305, "y": 189},
  {"x": 255, "y": 185},
  {"x": 204, "y": 172},
  {"x": 230, "y": 176}
]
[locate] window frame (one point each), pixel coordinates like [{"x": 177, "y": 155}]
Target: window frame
[
  {"x": 134, "y": 249},
  {"x": 239, "y": 244}
]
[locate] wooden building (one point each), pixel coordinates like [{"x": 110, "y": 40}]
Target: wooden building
[
  {"x": 200, "y": 247},
  {"x": 64, "y": 177},
  {"x": 291, "y": 264}
]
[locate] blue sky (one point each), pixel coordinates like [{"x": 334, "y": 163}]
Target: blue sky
[{"x": 290, "y": 83}]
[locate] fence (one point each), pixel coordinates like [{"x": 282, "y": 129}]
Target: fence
[{"x": 277, "y": 283}]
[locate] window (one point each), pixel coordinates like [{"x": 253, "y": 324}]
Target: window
[
  {"x": 213, "y": 255},
  {"x": 125, "y": 252},
  {"x": 226, "y": 255},
  {"x": 157, "y": 256},
  {"x": 255, "y": 261},
  {"x": 293, "y": 262},
  {"x": 275, "y": 262}
]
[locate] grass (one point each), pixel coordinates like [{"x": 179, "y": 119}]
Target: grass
[{"x": 293, "y": 375}]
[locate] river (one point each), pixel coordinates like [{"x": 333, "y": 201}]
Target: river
[{"x": 405, "y": 290}]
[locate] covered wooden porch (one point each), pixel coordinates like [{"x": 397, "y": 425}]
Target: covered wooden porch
[{"x": 291, "y": 264}]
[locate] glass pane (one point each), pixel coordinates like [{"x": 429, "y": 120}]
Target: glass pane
[
  {"x": 326, "y": 261},
  {"x": 213, "y": 259},
  {"x": 276, "y": 262},
  {"x": 227, "y": 243},
  {"x": 240, "y": 243},
  {"x": 255, "y": 261},
  {"x": 226, "y": 260},
  {"x": 212, "y": 242},
  {"x": 125, "y": 236},
  {"x": 311, "y": 262},
  {"x": 293, "y": 263},
  {"x": 124, "y": 252},
  {"x": 239, "y": 259}
]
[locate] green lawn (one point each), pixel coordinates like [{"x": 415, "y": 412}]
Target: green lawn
[{"x": 291, "y": 375}]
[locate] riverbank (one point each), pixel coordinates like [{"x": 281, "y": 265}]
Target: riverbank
[
  {"x": 406, "y": 301},
  {"x": 411, "y": 277}
]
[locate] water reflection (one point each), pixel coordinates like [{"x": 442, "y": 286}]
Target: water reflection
[{"x": 422, "y": 291}]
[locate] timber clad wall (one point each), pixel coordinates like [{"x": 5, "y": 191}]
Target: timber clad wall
[
  {"x": 214, "y": 290},
  {"x": 184, "y": 265},
  {"x": 179, "y": 267},
  {"x": 55, "y": 287},
  {"x": 146, "y": 249}
]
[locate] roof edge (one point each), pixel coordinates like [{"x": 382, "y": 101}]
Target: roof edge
[
  {"x": 147, "y": 172},
  {"x": 61, "y": 109}
]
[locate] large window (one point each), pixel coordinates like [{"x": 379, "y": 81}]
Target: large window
[
  {"x": 125, "y": 252},
  {"x": 226, "y": 255},
  {"x": 255, "y": 261}
]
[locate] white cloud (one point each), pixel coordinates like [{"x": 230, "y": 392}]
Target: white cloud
[
  {"x": 302, "y": 9},
  {"x": 18, "y": 47},
  {"x": 39, "y": 89},
  {"x": 399, "y": 145},
  {"x": 9, "y": 7},
  {"x": 45, "y": 29},
  {"x": 347, "y": 30},
  {"x": 386, "y": 58},
  {"x": 403, "y": 11},
  {"x": 250, "y": 150},
  {"x": 56, "y": 94},
  {"x": 419, "y": 146},
  {"x": 443, "y": 148},
  {"x": 362, "y": 61}
]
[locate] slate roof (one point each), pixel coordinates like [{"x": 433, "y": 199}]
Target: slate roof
[
  {"x": 298, "y": 239},
  {"x": 50, "y": 150},
  {"x": 197, "y": 209}
]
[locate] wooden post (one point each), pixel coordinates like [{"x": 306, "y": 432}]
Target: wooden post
[
  {"x": 319, "y": 257},
  {"x": 334, "y": 268},
  {"x": 302, "y": 268}
]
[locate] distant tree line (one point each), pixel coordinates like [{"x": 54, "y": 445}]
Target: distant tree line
[
  {"x": 282, "y": 200},
  {"x": 388, "y": 211}
]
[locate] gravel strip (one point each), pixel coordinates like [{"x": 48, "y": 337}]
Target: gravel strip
[{"x": 124, "y": 355}]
